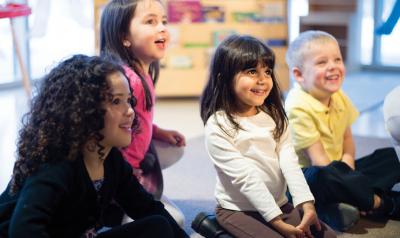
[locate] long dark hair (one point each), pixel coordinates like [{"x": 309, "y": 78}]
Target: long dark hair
[
  {"x": 65, "y": 114},
  {"x": 235, "y": 54},
  {"x": 114, "y": 28}
]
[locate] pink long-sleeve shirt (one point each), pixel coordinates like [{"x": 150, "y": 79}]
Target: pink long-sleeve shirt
[{"x": 135, "y": 152}]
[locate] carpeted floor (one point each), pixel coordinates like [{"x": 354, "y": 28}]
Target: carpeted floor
[{"x": 190, "y": 183}]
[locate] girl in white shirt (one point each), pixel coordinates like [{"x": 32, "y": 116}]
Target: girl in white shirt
[{"x": 248, "y": 141}]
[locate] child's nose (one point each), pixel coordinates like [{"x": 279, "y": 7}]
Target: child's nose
[
  {"x": 162, "y": 27},
  {"x": 332, "y": 65},
  {"x": 130, "y": 112},
  {"x": 262, "y": 79}
]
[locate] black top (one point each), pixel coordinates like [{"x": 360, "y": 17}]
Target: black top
[{"x": 59, "y": 200}]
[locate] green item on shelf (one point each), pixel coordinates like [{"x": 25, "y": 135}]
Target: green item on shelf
[
  {"x": 245, "y": 16},
  {"x": 196, "y": 45}
]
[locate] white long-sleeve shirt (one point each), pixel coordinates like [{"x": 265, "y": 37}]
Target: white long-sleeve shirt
[{"x": 253, "y": 170}]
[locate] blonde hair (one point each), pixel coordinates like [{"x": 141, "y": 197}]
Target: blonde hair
[{"x": 299, "y": 47}]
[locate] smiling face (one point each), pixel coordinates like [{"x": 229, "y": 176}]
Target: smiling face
[
  {"x": 148, "y": 35},
  {"x": 323, "y": 71},
  {"x": 119, "y": 114},
  {"x": 251, "y": 87}
]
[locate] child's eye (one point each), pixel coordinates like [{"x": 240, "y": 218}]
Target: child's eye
[
  {"x": 252, "y": 72},
  {"x": 322, "y": 62},
  {"x": 268, "y": 72},
  {"x": 115, "y": 101},
  {"x": 338, "y": 60},
  {"x": 165, "y": 22},
  {"x": 150, "y": 21}
]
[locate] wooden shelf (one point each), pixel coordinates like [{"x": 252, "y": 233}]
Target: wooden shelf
[
  {"x": 332, "y": 16},
  {"x": 202, "y": 32},
  {"x": 195, "y": 41},
  {"x": 327, "y": 18}
]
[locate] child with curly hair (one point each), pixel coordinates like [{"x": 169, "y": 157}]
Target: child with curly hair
[{"x": 69, "y": 167}]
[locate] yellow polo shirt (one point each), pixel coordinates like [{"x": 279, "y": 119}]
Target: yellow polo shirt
[{"x": 310, "y": 121}]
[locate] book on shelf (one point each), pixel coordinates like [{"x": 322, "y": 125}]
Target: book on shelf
[
  {"x": 267, "y": 12},
  {"x": 276, "y": 42},
  {"x": 184, "y": 11},
  {"x": 219, "y": 36},
  {"x": 213, "y": 14},
  {"x": 272, "y": 12}
]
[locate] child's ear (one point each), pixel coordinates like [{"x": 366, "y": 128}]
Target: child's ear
[
  {"x": 298, "y": 75},
  {"x": 126, "y": 43}
]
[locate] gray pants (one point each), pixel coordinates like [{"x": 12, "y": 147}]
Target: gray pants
[{"x": 250, "y": 224}]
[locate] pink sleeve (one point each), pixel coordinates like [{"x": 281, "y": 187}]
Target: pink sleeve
[{"x": 135, "y": 152}]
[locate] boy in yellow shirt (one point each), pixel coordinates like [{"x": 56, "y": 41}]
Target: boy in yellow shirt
[{"x": 320, "y": 116}]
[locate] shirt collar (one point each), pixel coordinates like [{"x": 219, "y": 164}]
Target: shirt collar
[{"x": 318, "y": 106}]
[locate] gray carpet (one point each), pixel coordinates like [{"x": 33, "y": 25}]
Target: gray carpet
[{"x": 190, "y": 184}]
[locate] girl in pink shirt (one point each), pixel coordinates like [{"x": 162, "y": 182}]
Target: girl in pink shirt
[{"x": 134, "y": 33}]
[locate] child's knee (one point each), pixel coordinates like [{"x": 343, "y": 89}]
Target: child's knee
[
  {"x": 167, "y": 154},
  {"x": 391, "y": 114},
  {"x": 393, "y": 127}
]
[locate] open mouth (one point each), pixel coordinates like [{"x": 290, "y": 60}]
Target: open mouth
[
  {"x": 160, "y": 43},
  {"x": 332, "y": 77},
  {"x": 259, "y": 92},
  {"x": 126, "y": 127}
]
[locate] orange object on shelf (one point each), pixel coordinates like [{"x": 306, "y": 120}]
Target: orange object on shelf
[{"x": 12, "y": 10}]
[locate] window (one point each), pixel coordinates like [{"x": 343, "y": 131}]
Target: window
[
  {"x": 7, "y": 65},
  {"x": 59, "y": 29},
  {"x": 378, "y": 50},
  {"x": 390, "y": 50},
  {"x": 56, "y": 30},
  {"x": 6, "y": 53}
]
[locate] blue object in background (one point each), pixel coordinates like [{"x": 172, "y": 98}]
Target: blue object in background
[{"x": 387, "y": 27}]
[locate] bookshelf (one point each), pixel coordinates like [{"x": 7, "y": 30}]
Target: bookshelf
[
  {"x": 185, "y": 66},
  {"x": 334, "y": 17}
]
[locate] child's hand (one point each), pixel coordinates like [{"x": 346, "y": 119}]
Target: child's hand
[
  {"x": 171, "y": 137},
  {"x": 349, "y": 161},
  {"x": 287, "y": 230},
  {"x": 309, "y": 218}
]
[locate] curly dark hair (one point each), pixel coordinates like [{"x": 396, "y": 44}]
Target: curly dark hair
[{"x": 64, "y": 115}]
